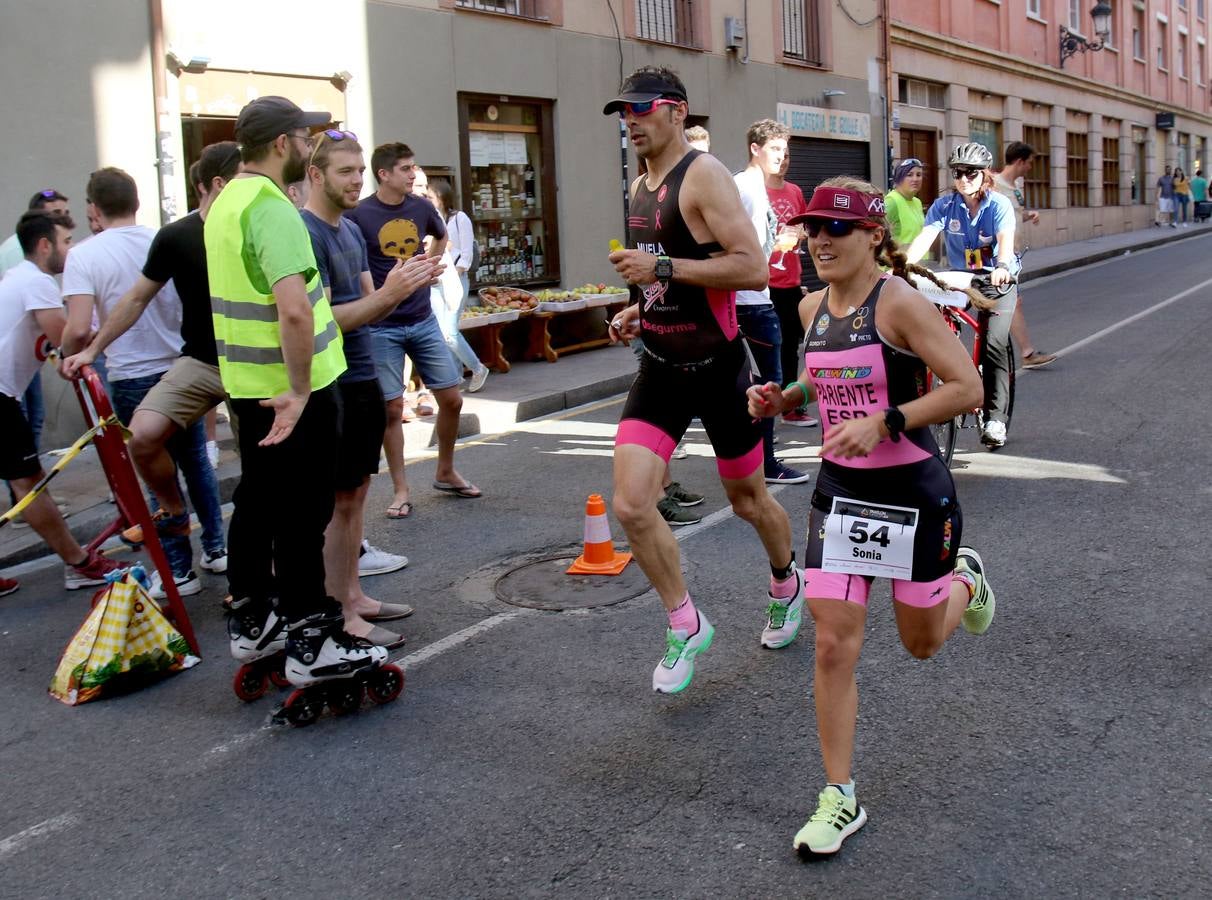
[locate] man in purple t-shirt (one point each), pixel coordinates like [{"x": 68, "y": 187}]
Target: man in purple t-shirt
[{"x": 395, "y": 224}]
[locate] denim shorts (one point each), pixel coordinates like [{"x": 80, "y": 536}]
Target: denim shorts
[{"x": 424, "y": 343}]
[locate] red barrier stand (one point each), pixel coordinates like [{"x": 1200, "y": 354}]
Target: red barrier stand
[{"x": 132, "y": 508}]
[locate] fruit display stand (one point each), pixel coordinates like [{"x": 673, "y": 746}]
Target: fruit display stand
[
  {"x": 484, "y": 331},
  {"x": 540, "y": 344}
]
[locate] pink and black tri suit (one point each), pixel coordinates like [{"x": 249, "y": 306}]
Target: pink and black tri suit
[
  {"x": 856, "y": 373},
  {"x": 693, "y": 362}
]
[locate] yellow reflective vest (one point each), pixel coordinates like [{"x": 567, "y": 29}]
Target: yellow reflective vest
[{"x": 254, "y": 238}]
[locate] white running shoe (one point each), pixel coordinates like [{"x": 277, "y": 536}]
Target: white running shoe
[
  {"x": 676, "y": 667},
  {"x": 214, "y": 562},
  {"x": 373, "y": 561},
  {"x": 187, "y": 585},
  {"x": 478, "y": 377},
  {"x": 784, "y": 616},
  {"x": 994, "y": 434}
]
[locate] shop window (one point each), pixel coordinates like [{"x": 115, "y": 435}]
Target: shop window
[
  {"x": 1139, "y": 137},
  {"x": 508, "y": 151},
  {"x": 1037, "y": 185},
  {"x": 802, "y": 31},
  {"x": 987, "y": 133},
  {"x": 1078, "y": 168},
  {"x": 913, "y": 92},
  {"x": 1110, "y": 171},
  {"x": 523, "y": 9},
  {"x": 666, "y": 21}
]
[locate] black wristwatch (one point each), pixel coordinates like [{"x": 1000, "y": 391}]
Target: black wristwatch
[
  {"x": 664, "y": 269},
  {"x": 894, "y": 421}
]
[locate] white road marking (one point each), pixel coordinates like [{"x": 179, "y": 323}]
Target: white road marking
[
  {"x": 438, "y": 647},
  {"x": 1123, "y": 323},
  {"x": 15, "y": 843}
]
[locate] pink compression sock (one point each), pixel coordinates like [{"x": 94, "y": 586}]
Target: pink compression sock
[
  {"x": 685, "y": 617},
  {"x": 783, "y": 590}
]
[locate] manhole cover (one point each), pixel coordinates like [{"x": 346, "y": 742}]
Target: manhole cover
[{"x": 543, "y": 584}]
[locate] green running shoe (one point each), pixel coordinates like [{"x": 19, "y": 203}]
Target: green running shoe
[
  {"x": 979, "y": 614},
  {"x": 836, "y": 818},
  {"x": 676, "y": 667},
  {"x": 783, "y": 617}
]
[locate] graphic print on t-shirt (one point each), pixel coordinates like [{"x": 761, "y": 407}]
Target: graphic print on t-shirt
[{"x": 398, "y": 237}]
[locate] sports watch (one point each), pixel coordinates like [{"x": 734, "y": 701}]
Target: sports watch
[
  {"x": 664, "y": 268},
  {"x": 894, "y": 421}
]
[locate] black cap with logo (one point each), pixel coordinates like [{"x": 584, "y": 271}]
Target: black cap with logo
[
  {"x": 262, "y": 120},
  {"x": 644, "y": 87}
]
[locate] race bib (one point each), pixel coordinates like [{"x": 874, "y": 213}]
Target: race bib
[{"x": 869, "y": 539}]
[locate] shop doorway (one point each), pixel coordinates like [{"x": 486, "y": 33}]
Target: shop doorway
[
  {"x": 922, "y": 143},
  {"x": 814, "y": 161}
]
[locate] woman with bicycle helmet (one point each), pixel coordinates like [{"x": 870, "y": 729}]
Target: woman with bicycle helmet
[
  {"x": 884, "y": 503},
  {"x": 977, "y": 224}
]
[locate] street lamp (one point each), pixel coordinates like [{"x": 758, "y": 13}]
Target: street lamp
[{"x": 1071, "y": 43}]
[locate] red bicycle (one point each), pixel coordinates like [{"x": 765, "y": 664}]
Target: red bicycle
[{"x": 966, "y": 302}]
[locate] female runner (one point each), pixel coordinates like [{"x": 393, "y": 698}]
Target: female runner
[{"x": 885, "y": 502}]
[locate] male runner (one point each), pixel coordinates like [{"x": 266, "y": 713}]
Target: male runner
[
  {"x": 279, "y": 355},
  {"x": 335, "y": 181},
  {"x": 30, "y": 307},
  {"x": 192, "y": 385},
  {"x": 693, "y": 247}
]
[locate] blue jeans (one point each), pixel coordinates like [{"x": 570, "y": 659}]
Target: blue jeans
[
  {"x": 33, "y": 408},
  {"x": 448, "y": 322},
  {"x": 760, "y": 326},
  {"x": 425, "y": 344},
  {"x": 188, "y": 450}
]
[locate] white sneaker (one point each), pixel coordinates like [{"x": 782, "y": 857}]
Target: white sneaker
[
  {"x": 373, "y": 561},
  {"x": 783, "y": 617},
  {"x": 187, "y": 585},
  {"x": 212, "y": 453},
  {"x": 216, "y": 562},
  {"x": 836, "y": 818},
  {"x": 676, "y": 667},
  {"x": 994, "y": 434},
  {"x": 478, "y": 377},
  {"x": 318, "y": 650}
]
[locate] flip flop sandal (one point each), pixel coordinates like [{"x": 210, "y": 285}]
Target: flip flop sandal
[
  {"x": 402, "y": 510},
  {"x": 468, "y": 491}
]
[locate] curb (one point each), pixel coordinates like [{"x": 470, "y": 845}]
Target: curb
[{"x": 1100, "y": 255}]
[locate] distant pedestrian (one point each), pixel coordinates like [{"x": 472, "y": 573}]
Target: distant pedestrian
[
  {"x": 1182, "y": 195},
  {"x": 903, "y": 205},
  {"x": 699, "y": 138},
  {"x": 1165, "y": 200}
]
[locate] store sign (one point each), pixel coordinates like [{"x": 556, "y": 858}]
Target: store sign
[
  {"x": 1165, "y": 120},
  {"x": 831, "y": 124}
]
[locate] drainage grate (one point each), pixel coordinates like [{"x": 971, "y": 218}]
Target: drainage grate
[{"x": 543, "y": 584}]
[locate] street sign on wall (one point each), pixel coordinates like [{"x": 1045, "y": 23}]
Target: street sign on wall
[{"x": 830, "y": 124}]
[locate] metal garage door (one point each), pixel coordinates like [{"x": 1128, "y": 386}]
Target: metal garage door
[{"x": 813, "y": 161}]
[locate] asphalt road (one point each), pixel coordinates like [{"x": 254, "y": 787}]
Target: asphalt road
[{"x": 1065, "y": 753}]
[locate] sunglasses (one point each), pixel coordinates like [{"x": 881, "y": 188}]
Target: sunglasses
[
  {"x": 643, "y": 109},
  {"x": 965, "y": 172},
  {"x": 836, "y": 228},
  {"x": 49, "y": 195},
  {"x": 334, "y": 134},
  {"x": 913, "y": 161}
]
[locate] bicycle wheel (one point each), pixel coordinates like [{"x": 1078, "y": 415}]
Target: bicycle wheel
[
  {"x": 1013, "y": 351},
  {"x": 945, "y": 433}
]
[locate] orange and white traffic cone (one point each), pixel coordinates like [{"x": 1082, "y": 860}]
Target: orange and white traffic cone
[{"x": 600, "y": 557}]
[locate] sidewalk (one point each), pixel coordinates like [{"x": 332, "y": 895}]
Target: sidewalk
[{"x": 527, "y": 391}]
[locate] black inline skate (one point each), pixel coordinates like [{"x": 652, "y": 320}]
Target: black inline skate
[{"x": 258, "y": 640}]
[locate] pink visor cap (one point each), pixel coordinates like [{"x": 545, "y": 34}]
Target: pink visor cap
[{"x": 841, "y": 203}]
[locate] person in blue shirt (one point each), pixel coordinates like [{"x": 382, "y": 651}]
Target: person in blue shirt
[{"x": 977, "y": 224}]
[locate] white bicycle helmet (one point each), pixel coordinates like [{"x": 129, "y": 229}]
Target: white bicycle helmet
[{"x": 971, "y": 154}]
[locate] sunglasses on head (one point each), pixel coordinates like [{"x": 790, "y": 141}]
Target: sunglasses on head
[
  {"x": 965, "y": 172},
  {"x": 837, "y": 228},
  {"x": 334, "y": 134},
  {"x": 912, "y": 161},
  {"x": 643, "y": 109},
  {"x": 49, "y": 195}
]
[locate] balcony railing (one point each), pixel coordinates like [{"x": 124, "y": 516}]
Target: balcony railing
[
  {"x": 523, "y": 9},
  {"x": 802, "y": 31},
  {"x": 667, "y": 21}
]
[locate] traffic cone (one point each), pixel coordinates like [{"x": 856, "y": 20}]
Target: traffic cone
[{"x": 600, "y": 557}]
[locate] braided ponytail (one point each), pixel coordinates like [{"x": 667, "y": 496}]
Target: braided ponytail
[{"x": 892, "y": 257}]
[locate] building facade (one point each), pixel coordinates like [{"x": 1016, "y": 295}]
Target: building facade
[
  {"x": 1104, "y": 121},
  {"x": 504, "y": 97}
]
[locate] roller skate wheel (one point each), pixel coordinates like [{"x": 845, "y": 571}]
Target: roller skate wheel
[
  {"x": 250, "y": 683},
  {"x": 278, "y": 677},
  {"x": 346, "y": 697},
  {"x": 385, "y": 684},
  {"x": 301, "y": 708}
]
